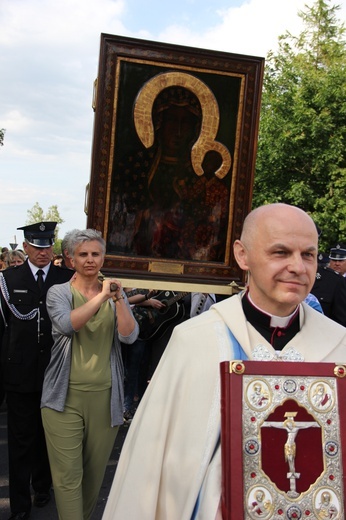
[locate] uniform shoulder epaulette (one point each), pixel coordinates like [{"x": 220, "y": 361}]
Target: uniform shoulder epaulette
[{"x": 329, "y": 270}]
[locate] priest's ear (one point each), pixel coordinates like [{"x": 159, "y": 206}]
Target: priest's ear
[{"x": 241, "y": 255}]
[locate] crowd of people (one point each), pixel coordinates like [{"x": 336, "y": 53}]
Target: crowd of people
[
  {"x": 157, "y": 313},
  {"x": 80, "y": 354},
  {"x": 10, "y": 258}
]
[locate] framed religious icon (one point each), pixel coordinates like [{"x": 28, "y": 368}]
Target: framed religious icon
[
  {"x": 283, "y": 440},
  {"x": 173, "y": 158}
]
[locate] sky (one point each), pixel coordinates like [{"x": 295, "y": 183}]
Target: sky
[{"x": 49, "y": 52}]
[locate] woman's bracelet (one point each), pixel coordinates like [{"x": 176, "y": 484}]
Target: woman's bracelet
[{"x": 115, "y": 300}]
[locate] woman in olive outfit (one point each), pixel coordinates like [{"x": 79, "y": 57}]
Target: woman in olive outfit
[{"x": 82, "y": 400}]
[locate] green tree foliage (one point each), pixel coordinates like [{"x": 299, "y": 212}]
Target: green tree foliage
[
  {"x": 301, "y": 150},
  {"x": 36, "y": 214},
  {"x": 57, "y": 246}
]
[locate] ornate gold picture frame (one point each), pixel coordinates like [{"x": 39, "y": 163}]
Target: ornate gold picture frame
[
  {"x": 173, "y": 158},
  {"x": 283, "y": 440}
]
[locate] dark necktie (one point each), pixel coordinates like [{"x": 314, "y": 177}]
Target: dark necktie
[{"x": 40, "y": 274}]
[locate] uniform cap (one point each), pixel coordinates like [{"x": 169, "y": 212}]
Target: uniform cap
[
  {"x": 40, "y": 234},
  {"x": 338, "y": 252},
  {"x": 323, "y": 259}
]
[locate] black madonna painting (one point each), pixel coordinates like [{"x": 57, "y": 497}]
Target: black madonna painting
[{"x": 173, "y": 157}]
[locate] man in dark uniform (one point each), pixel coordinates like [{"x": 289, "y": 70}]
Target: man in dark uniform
[
  {"x": 26, "y": 341},
  {"x": 330, "y": 289},
  {"x": 337, "y": 258}
]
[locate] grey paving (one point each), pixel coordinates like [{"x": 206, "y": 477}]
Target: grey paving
[{"x": 49, "y": 512}]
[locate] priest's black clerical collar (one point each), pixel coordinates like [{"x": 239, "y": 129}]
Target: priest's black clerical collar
[{"x": 267, "y": 325}]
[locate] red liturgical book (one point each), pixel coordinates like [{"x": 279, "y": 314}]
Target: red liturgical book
[{"x": 283, "y": 440}]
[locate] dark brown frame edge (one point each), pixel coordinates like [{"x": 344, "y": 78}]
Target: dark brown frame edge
[{"x": 251, "y": 68}]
